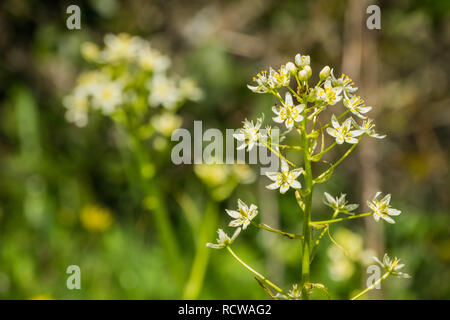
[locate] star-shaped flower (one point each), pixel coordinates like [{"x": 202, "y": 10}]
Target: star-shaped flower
[
  {"x": 342, "y": 133},
  {"x": 339, "y": 203},
  {"x": 249, "y": 134},
  {"x": 382, "y": 209},
  {"x": 243, "y": 216},
  {"x": 285, "y": 179},
  {"x": 356, "y": 106},
  {"x": 223, "y": 240},
  {"x": 392, "y": 266},
  {"x": 368, "y": 128},
  {"x": 288, "y": 113}
]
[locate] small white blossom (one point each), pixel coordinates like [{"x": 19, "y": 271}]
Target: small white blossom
[
  {"x": 223, "y": 240},
  {"x": 166, "y": 123},
  {"x": 291, "y": 67},
  {"x": 279, "y": 78},
  {"x": 285, "y": 179},
  {"x": 107, "y": 95},
  {"x": 339, "y": 203},
  {"x": 249, "y": 134},
  {"x": 302, "y": 61},
  {"x": 289, "y": 113},
  {"x": 163, "y": 91},
  {"x": 344, "y": 83},
  {"x": 328, "y": 94},
  {"x": 356, "y": 106},
  {"x": 342, "y": 133},
  {"x": 293, "y": 294},
  {"x": 368, "y": 126},
  {"x": 262, "y": 83},
  {"x": 392, "y": 266},
  {"x": 382, "y": 209},
  {"x": 243, "y": 216}
]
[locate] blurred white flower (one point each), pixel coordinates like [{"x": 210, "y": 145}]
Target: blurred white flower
[
  {"x": 243, "y": 216},
  {"x": 120, "y": 47},
  {"x": 152, "y": 60},
  {"x": 288, "y": 113},
  {"x": 77, "y": 106},
  {"x": 382, "y": 209},
  {"x": 163, "y": 91},
  {"x": 223, "y": 240},
  {"x": 190, "y": 90},
  {"x": 166, "y": 123},
  {"x": 342, "y": 133},
  {"x": 392, "y": 266},
  {"x": 107, "y": 95},
  {"x": 285, "y": 179}
]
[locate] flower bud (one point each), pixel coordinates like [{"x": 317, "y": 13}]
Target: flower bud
[
  {"x": 308, "y": 70},
  {"x": 291, "y": 68},
  {"x": 303, "y": 75},
  {"x": 324, "y": 73}
]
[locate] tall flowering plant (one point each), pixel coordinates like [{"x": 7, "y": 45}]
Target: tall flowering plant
[
  {"x": 299, "y": 110},
  {"x": 130, "y": 83}
]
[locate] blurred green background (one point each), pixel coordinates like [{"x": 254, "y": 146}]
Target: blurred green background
[{"x": 64, "y": 194}]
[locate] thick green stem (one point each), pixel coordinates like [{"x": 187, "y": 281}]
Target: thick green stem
[{"x": 307, "y": 216}]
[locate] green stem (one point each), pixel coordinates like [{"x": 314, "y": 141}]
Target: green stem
[
  {"x": 325, "y": 222},
  {"x": 372, "y": 286},
  {"x": 260, "y": 276},
  {"x": 283, "y": 233},
  {"x": 307, "y": 212}
]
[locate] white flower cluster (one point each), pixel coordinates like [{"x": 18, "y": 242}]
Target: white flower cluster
[{"x": 131, "y": 75}]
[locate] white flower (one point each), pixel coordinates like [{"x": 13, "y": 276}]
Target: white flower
[
  {"x": 382, "y": 209},
  {"x": 190, "y": 90},
  {"x": 288, "y": 112},
  {"x": 107, "y": 95},
  {"x": 166, "y": 123},
  {"x": 392, "y": 266},
  {"x": 224, "y": 240},
  {"x": 344, "y": 83},
  {"x": 291, "y": 67},
  {"x": 329, "y": 94},
  {"x": 152, "y": 60},
  {"x": 163, "y": 91},
  {"x": 285, "y": 179},
  {"x": 342, "y": 132},
  {"x": 77, "y": 105},
  {"x": 356, "y": 105},
  {"x": 249, "y": 134},
  {"x": 368, "y": 126},
  {"x": 120, "y": 47},
  {"x": 293, "y": 294},
  {"x": 302, "y": 61},
  {"x": 262, "y": 83},
  {"x": 339, "y": 203},
  {"x": 278, "y": 79},
  {"x": 243, "y": 216}
]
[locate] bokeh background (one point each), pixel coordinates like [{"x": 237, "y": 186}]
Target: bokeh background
[{"x": 64, "y": 194}]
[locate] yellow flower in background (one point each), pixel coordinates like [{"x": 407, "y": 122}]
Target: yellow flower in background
[{"x": 95, "y": 218}]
